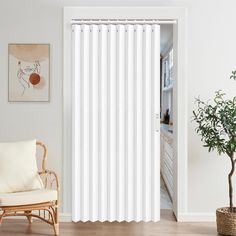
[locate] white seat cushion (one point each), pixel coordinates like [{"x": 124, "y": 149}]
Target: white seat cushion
[
  {"x": 18, "y": 167},
  {"x": 27, "y": 198}
]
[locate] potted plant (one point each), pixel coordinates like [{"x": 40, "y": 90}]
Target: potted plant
[{"x": 216, "y": 124}]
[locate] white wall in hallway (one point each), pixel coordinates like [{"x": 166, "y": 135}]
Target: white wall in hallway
[{"x": 211, "y": 57}]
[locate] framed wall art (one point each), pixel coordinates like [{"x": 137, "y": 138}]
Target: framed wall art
[{"x": 28, "y": 72}]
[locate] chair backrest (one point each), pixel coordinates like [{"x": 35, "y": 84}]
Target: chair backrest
[
  {"x": 44, "y": 156},
  {"x": 18, "y": 166}
]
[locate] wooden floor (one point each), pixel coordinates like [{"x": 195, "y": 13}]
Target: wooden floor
[{"x": 166, "y": 227}]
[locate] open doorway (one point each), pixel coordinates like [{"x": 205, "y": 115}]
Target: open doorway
[
  {"x": 166, "y": 116},
  {"x": 179, "y": 95}
]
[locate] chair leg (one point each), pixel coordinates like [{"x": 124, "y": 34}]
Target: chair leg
[
  {"x": 30, "y": 219},
  {"x": 1, "y": 217},
  {"x": 56, "y": 221},
  {"x": 56, "y": 229}
]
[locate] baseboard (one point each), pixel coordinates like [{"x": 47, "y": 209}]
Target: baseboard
[
  {"x": 65, "y": 217},
  {"x": 196, "y": 217}
]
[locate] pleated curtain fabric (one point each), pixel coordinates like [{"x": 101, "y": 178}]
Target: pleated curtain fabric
[{"x": 116, "y": 160}]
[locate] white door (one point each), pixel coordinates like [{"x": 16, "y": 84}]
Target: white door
[{"x": 116, "y": 169}]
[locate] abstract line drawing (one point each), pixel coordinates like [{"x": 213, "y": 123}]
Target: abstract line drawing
[{"x": 28, "y": 72}]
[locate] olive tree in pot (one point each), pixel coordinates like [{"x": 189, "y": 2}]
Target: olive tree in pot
[{"x": 216, "y": 123}]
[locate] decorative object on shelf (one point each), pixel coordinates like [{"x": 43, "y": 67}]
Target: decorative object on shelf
[
  {"x": 166, "y": 119},
  {"x": 216, "y": 123},
  {"x": 28, "y": 72}
]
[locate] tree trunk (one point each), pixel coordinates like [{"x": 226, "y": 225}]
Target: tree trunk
[{"x": 230, "y": 183}]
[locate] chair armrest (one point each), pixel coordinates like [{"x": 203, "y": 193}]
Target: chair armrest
[{"x": 50, "y": 179}]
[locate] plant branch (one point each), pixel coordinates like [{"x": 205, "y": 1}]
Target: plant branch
[
  {"x": 230, "y": 182},
  {"x": 228, "y": 153}
]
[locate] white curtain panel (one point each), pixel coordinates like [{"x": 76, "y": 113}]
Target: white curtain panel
[{"x": 116, "y": 91}]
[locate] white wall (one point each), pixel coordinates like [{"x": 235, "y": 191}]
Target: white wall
[{"x": 211, "y": 57}]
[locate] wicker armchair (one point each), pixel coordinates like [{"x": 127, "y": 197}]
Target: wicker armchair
[{"x": 45, "y": 208}]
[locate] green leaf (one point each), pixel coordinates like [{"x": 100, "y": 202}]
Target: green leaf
[{"x": 216, "y": 121}]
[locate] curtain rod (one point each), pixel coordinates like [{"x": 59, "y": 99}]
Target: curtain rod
[{"x": 120, "y": 21}]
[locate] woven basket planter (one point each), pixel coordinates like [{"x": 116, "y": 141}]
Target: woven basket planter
[{"x": 226, "y": 221}]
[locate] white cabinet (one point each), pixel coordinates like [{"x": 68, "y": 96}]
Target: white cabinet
[{"x": 167, "y": 158}]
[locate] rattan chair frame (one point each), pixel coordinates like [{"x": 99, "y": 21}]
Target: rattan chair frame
[{"x": 47, "y": 211}]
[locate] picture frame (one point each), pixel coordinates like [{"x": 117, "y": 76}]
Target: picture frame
[{"x": 28, "y": 72}]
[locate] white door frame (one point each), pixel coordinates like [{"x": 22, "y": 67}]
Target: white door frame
[{"x": 179, "y": 92}]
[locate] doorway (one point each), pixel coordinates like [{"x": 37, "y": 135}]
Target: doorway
[
  {"x": 179, "y": 90},
  {"x": 166, "y": 116}
]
